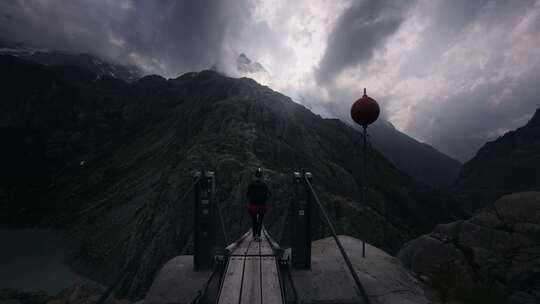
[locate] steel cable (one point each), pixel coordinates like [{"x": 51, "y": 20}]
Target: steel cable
[{"x": 338, "y": 242}]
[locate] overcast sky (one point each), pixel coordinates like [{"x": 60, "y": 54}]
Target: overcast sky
[{"x": 452, "y": 73}]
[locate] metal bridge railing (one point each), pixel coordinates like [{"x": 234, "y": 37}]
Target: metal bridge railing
[
  {"x": 222, "y": 222},
  {"x": 338, "y": 242}
]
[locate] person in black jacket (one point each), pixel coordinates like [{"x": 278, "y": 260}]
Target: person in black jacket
[{"x": 257, "y": 194}]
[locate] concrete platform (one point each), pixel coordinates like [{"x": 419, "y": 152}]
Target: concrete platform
[{"x": 383, "y": 277}]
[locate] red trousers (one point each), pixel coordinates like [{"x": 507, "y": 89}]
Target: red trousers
[
  {"x": 254, "y": 209},
  {"x": 257, "y": 214}
]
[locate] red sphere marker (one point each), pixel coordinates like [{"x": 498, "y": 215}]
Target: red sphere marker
[{"x": 365, "y": 110}]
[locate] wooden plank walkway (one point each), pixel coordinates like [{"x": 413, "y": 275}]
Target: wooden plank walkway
[{"x": 252, "y": 273}]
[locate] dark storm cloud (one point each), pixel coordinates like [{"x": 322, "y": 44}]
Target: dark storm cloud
[
  {"x": 468, "y": 119},
  {"x": 187, "y": 35},
  {"x": 165, "y": 36},
  {"x": 455, "y": 74},
  {"x": 488, "y": 60},
  {"x": 451, "y": 17},
  {"x": 358, "y": 33},
  {"x": 66, "y": 25},
  {"x": 452, "y": 73}
]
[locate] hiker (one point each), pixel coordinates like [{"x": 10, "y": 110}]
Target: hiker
[{"x": 257, "y": 193}]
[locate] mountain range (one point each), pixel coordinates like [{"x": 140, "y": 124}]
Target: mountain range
[
  {"x": 106, "y": 156},
  {"x": 508, "y": 164},
  {"x": 90, "y": 62},
  {"x": 419, "y": 160},
  {"x": 107, "y": 161}
]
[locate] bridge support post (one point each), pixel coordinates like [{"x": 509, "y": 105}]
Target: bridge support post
[
  {"x": 203, "y": 229},
  {"x": 301, "y": 247}
]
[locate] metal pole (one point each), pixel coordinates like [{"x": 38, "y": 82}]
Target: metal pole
[
  {"x": 301, "y": 249},
  {"x": 338, "y": 242},
  {"x": 364, "y": 186}
]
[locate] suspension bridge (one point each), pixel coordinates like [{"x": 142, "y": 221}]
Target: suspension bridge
[
  {"x": 253, "y": 270},
  {"x": 257, "y": 270},
  {"x": 250, "y": 270}
]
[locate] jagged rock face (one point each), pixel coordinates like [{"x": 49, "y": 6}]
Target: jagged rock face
[
  {"x": 242, "y": 66},
  {"x": 245, "y": 65},
  {"x": 506, "y": 165},
  {"x": 117, "y": 159},
  {"x": 495, "y": 253}
]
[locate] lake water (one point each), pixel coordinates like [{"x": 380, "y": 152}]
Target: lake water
[{"x": 33, "y": 260}]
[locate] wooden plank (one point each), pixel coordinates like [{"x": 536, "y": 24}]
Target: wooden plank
[
  {"x": 254, "y": 248},
  {"x": 245, "y": 245},
  {"x": 249, "y": 236},
  {"x": 230, "y": 289},
  {"x": 271, "y": 289},
  {"x": 273, "y": 243},
  {"x": 232, "y": 247},
  {"x": 241, "y": 248},
  {"x": 276, "y": 250},
  {"x": 265, "y": 247},
  {"x": 251, "y": 287}
]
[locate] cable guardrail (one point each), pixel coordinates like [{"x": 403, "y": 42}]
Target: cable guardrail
[
  {"x": 338, "y": 242},
  {"x": 201, "y": 293},
  {"x": 225, "y": 238},
  {"x": 130, "y": 265}
]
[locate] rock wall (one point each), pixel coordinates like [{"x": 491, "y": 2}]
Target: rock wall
[{"x": 493, "y": 256}]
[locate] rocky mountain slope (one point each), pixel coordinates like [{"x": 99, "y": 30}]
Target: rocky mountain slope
[
  {"x": 494, "y": 257},
  {"x": 508, "y": 164},
  {"x": 240, "y": 65},
  {"x": 107, "y": 161},
  {"x": 246, "y": 66},
  {"x": 90, "y": 62},
  {"x": 419, "y": 160}
]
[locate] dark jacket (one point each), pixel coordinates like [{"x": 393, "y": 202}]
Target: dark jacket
[{"x": 258, "y": 192}]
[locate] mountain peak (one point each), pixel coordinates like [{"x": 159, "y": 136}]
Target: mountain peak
[
  {"x": 243, "y": 58},
  {"x": 245, "y": 65},
  {"x": 535, "y": 120}
]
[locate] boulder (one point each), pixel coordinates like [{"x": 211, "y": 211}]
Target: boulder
[{"x": 495, "y": 254}]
